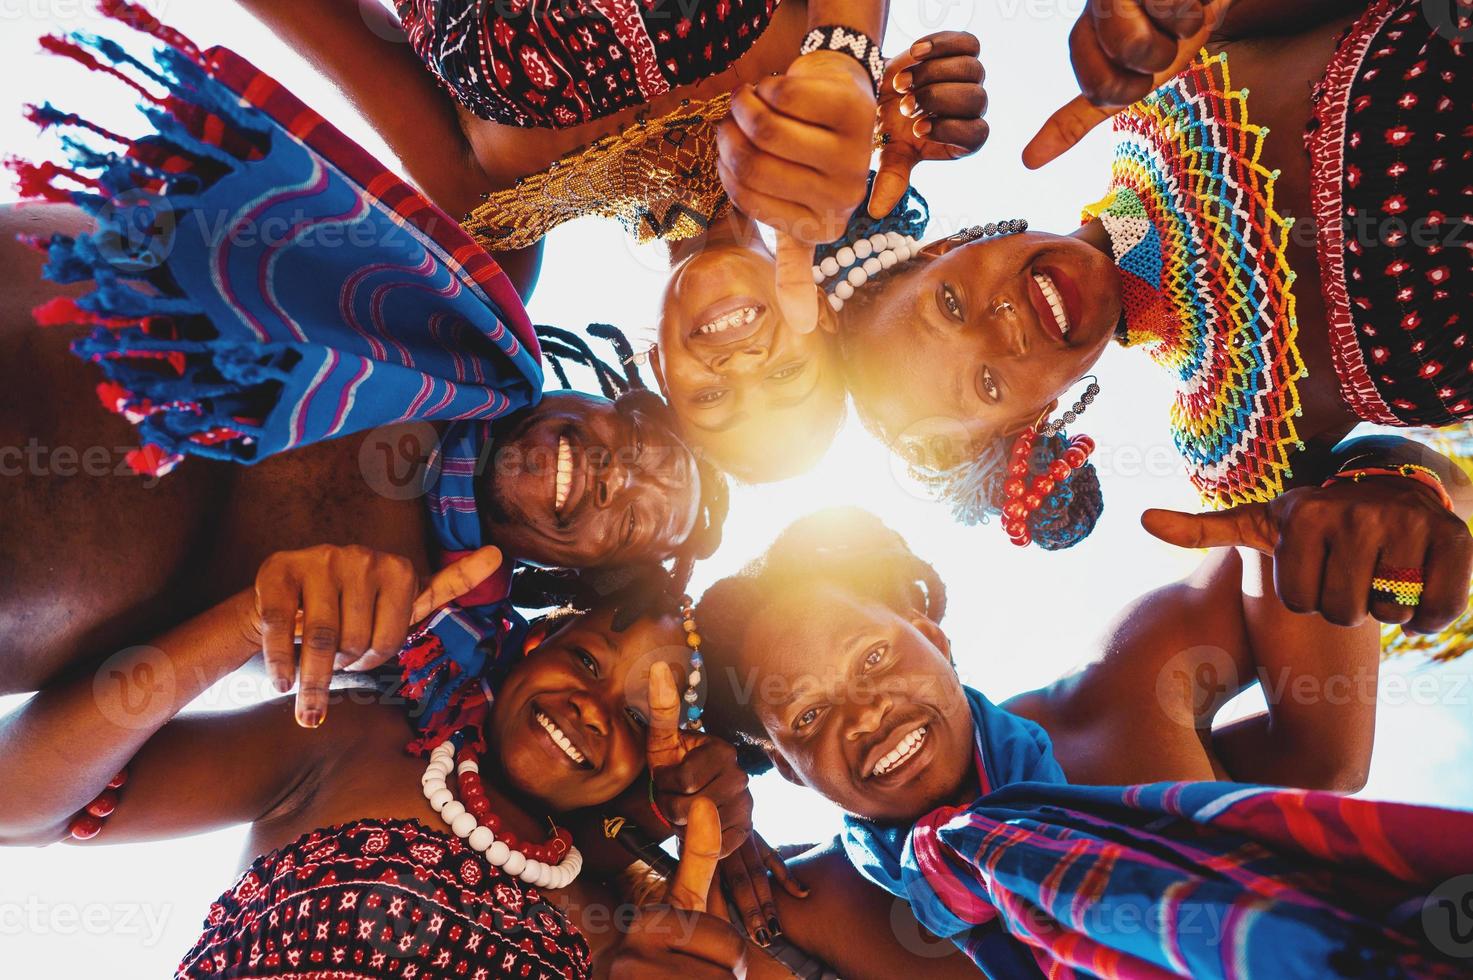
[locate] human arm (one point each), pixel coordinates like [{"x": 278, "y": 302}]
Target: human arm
[{"x": 1146, "y": 709}]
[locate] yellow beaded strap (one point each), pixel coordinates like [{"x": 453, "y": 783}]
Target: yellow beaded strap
[
  {"x": 657, "y": 177},
  {"x": 1400, "y": 585}
]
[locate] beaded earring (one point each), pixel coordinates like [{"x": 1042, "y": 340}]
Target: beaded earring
[
  {"x": 693, "y": 708},
  {"x": 1022, "y": 498},
  {"x": 1077, "y": 409}
]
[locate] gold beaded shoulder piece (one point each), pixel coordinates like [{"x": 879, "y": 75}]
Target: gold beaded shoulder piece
[
  {"x": 1207, "y": 287},
  {"x": 657, "y": 178}
]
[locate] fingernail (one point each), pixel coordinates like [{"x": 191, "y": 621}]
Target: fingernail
[
  {"x": 761, "y": 938},
  {"x": 903, "y": 81},
  {"x": 282, "y": 684},
  {"x": 342, "y": 660},
  {"x": 361, "y": 662},
  {"x": 310, "y": 718},
  {"x": 774, "y": 926},
  {"x": 923, "y": 127},
  {"x": 908, "y": 105},
  {"x": 920, "y": 49}
]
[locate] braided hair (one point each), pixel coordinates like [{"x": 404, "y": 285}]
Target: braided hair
[
  {"x": 844, "y": 547},
  {"x": 537, "y": 588}
]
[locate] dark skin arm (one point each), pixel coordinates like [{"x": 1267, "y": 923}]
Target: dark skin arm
[{"x": 1144, "y": 711}]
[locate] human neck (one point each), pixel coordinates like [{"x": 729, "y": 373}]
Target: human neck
[{"x": 1094, "y": 233}]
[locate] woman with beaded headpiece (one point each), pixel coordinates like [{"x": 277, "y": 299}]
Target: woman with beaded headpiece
[{"x": 1298, "y": 264}]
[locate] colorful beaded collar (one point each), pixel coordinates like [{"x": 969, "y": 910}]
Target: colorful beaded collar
[{"x": 1206, "y": 282}]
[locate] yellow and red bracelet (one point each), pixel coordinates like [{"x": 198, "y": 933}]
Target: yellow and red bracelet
[{"x": 1411, "y": 471}]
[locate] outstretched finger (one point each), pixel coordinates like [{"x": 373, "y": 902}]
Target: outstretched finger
[
  {"x": 892, "y": 177},
  {"x": 663, "y": 747},
  {"x": 1066, "y": 127},
  {"x": 700, "y": 853},
  {"x": 1249, "y": 525},
  {"x": 455, "y": 580},
  {"x": 796, "y": 294}
]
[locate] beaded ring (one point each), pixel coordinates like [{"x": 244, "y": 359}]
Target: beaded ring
[
  {"x": 1402, "y": 586},
  {"x": 693, "y": 707}
]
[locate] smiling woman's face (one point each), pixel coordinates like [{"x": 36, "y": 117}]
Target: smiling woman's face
[
  {"x": 762, "y": 400},
  {"x": 583, "y": 482},
  {"x": 860, "y": 703},
  {"x": 976, "y": 342},
  {"x": 569, "y": 722}
]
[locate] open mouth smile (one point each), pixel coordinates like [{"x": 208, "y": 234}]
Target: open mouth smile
[
  {"x": 904, "y": 751},
  {"x": 561, "y": 740},
  {"x": 564, "y": 474},
  {"x": 1048, "y": 301}
]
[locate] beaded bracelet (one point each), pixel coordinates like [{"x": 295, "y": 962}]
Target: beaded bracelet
[
  {"x": 1424, "y": 475},
  {"x": 87, "y": 822}
]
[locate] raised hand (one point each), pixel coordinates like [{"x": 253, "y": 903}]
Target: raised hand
[
  {"x": 794, "y": 154},
  {"x": 688, "y": 766},
  {"x": 1329, "y": 542},
  {"x": 679, "y": 940},
  {"x": 747, "y": 874},
  {"x": 1122, "y": 50},
  {"x": 931, "y": 108},
  {"x": 348, "y": 605}
]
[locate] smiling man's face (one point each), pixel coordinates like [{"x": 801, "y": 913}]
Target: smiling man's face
[{"x": 582, "y": 482}]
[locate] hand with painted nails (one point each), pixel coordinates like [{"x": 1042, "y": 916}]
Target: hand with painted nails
[
  {"x": 747, "y": 874},
  {"x": 931, "y": 108},
  {"x": 794, "y": 155},
  {"x": 685, "y": 939},
  {"x": 688, "y": 766},
  {"x": 1329, "y": 545},
  {"x": 1122, "y": 50},
  {"x": 348, "y": 606}
]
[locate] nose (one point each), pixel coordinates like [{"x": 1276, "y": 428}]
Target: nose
[
  {"x": 742, "y": 359},
  {"x": 590, "y": 711},
  {"x": 613, "y": 477},
  {"x": 1003, "y": 332},
  {"x": 866, "y": 719}
]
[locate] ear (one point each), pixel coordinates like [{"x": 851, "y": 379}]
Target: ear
[
  {"x": 782, "y": 765},
  {"x": 658, "y": 370},
  {"x": 938, "y": 248},
  {"x": 933, "y": 632},
  {"x": 1032, "y": 419},
  {"x": 828, "y": 318}
]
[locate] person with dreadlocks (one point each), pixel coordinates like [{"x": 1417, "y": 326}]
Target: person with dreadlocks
[
  {"x": 361, "y": 858},
  {"x": 1083, "y": 828},
  {"x": 336, "y": 301}
]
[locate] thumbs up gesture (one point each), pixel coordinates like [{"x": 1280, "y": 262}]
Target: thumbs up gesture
[
  {"x": 1329, "y": 543},
  {"x": 680, "y": 940},
  {"x": 1122, "y": 50},
  {"x": 931, "y": 108},
  {"x": 688, "y": 766}
]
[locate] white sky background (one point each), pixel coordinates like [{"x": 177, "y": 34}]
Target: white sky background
[{"x": 1018, "y": 618}]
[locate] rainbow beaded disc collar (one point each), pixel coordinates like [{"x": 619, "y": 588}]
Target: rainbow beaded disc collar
[{"x": 1206, "y": 282}]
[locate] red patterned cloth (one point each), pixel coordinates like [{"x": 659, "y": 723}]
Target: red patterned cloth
[
  {"x": 1391, "y": 146},
  {"x": 561, "y": 64},
  {"x": 384, "y": 898}
]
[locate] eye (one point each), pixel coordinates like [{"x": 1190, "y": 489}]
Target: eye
[
  {"x": 636, "y": 718},
  {"x": 875, "y": 655},
  {"x": 988, "y": 385},
  {"x": 950, "y": 303},
  {"x": 710, "y": 396},
  {"x": 589, "y": 663},
  {"x": 805, "y": 719},
  {"x": 787, "y": 372}
]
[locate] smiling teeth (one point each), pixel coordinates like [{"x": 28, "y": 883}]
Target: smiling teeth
[
  {"x": 564, "y": 473},
  {"x": 897, "y": 756},
  {"x": 562, "y": 740},
  {"x": 736, "y": 318},
  {"x": 1055, "y": 301}
]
